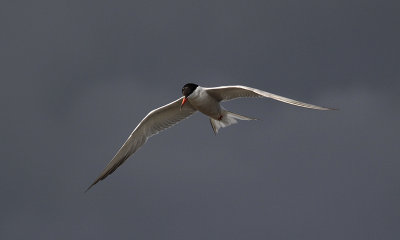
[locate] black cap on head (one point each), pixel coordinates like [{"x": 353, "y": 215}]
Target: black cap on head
[{"x": 188, "y": 89}]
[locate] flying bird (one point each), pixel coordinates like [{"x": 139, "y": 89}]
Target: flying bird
[{"x": 195, "y": 98}]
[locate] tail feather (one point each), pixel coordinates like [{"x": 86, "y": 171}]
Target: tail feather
[{"x": 228, "y": 118}]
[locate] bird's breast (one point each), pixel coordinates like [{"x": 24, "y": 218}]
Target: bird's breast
[{"x": 206, "y": 105}]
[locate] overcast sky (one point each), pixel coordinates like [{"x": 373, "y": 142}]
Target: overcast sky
[{"x": 78, "y": 76}]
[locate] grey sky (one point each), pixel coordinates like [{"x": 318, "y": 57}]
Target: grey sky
[{"x": 77, "y": 77}]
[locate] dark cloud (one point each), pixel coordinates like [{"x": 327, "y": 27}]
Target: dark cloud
[{"x": 78, "y": 76}]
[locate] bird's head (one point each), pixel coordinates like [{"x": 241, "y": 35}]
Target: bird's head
[{"x": 187, "y": 90}]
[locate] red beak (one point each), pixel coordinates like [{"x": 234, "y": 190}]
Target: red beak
[{"x": 183, "y": 101}]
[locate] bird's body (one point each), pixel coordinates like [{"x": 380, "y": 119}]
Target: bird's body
[
  {"x": 195, "y": 98},
  {"x": 204, "y": 103}
]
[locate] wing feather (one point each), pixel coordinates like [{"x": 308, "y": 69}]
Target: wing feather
[
  {"x": 156, "y": 121},
  {"x": 225, "y": 93}
]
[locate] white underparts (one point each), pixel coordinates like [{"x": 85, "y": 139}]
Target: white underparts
[{"x": 227, "y": 119}]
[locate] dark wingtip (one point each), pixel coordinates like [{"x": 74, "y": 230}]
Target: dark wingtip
[
  {"x": 94, "y": 183},
  {"x": 333, "y": 109}
]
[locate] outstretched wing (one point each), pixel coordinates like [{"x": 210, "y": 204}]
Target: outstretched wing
[
  {"x": 157, "y": 120},
  {"x": 226, "y": 93}
]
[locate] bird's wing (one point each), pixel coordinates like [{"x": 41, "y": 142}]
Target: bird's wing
[
  {"x": 157, "y": 120},
  {"x": 225, "y": 93}
]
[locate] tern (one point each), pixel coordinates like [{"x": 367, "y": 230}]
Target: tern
[{"x": 195, "y": 98}]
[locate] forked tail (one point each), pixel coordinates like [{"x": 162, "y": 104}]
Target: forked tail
[{"x": 228, "y": 118}]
